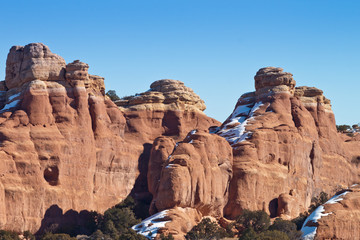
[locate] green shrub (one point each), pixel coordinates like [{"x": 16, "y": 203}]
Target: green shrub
[
  {"x": 288, "y": 227},
  {"x": 57, "y": 236},
  {"x": 28, "y": 235},
  {"x": 112, "y": 95},
  {"x": 168, "y": 237},
  {"x": 343, "y": 128},
  {"x": 98, "y": 235},
  {"x": 140, "y": 209},
  {"x": 206, "y": 229},
  {"x": 317, "y": 201},
  {"x": 8, "y": 235},
  {"x": 248, "y": 234},
  {"x": 259, "y": 220},
  {"x": 299, "y": 221},
  {"x": 272, "y": 235}
]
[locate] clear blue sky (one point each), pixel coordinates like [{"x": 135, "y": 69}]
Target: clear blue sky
[{"x": 215, "y": 47}]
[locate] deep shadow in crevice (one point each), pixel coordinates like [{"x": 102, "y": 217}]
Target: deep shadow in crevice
[
  {"x": 273, "y": 207},
  {"x": 71, "y": 222},
  {"x": 140, "y": 191}
]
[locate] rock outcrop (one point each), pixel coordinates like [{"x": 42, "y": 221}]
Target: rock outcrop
[
  {"x": 62, "y": 140},
  {"x": 196, "y": 173},
  {"x": 65, "y": 145},
  {"x": 168, "y": 109},
  {"x": 165, "y": 94},
  {"x": 189, "y": 179},
  {"x": 338, "y": 218},
  {"x": 285, "y": 151},
  {"x": 286, "y": 147}
]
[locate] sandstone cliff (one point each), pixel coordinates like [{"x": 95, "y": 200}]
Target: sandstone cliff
[
  {"x": 65, "y": 144},
  {"x": 286, "y": 147},
  {"x": 285, "y": 151}
]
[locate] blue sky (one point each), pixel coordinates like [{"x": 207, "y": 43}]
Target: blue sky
[{"x": 215, "y": 47}]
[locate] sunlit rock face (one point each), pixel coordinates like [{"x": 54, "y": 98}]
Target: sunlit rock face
[
  {"x": 286, "y": 147},
  {"x": 67, "y": 146},
  {"x": 285, "y": 150}
]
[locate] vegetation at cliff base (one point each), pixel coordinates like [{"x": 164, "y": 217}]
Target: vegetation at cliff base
[
  {"x": 207, "y": 229},
  {"x": 250, "y": 225}
]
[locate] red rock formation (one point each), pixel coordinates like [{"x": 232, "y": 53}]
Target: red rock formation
[
  {"x": 188, "y": 180},
  {"x": 286, "y": 147},
  {"x": 338, "y": 218},
  {"x": 170, "y": 109},
  {"x": 64, "y": 143},
  {"x": 196, "y": 174}
]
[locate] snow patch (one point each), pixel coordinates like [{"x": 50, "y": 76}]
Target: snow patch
[
  {"x": 170, "y": 166},
  {"x": 150, "y": 226},
  {"x": 10, "y": 105},
  {"x": 13, "y": 96},
  {"x": 309, "y": 232},
  {"x": 234, "y": 131}
]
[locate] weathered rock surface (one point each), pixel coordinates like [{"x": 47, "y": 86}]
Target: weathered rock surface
[
  {"x": 165, "y": 94},
  {"x": 196, "y": 173},
  {"x": 65, "y": 144},
  {"x": 338, "y": 218},
  {"x": 35, "y": 61},
  {"x": 188, "y": 180},
  {"x": 286, "y": 147}
]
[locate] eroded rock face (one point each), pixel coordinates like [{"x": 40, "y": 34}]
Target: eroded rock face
[
  {"x": 196, "y": 173},
  {"x": 338, "y": 218},
  {"x": 165, "y": 94},
  {"x": 61, "y": 144},
  {"x": 270, "y": 80},
  {"x": 188, "y": 180},
  {"x": 168, "y": 109},
  {"x": 34, "y": 61},
  {"x": 286, "y": 147},
  {"x": 65, "y": 145}
]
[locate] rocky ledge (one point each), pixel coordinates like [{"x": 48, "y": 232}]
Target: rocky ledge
[{"x": 165, "y": 94}]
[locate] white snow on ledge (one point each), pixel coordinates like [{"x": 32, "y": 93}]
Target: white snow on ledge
[
  {"x": 11, "y": 102},
  {"x": 234, "y": 131},
  {"x": 309, "y": 232},
  {"x": 10, "y": 105},
  {"x": 150, "y": 226}
]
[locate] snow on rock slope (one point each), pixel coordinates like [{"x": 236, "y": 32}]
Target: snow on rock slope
[
  {"x": 338, "y": 218},
  {"x": 151, "y": 225},
  {"x": 310, "y": 225}
]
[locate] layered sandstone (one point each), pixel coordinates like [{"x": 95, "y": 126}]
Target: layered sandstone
[
  {"x": 62, "y": 141},
  {"x": 285, "y": 151},
  {"x": 196, "y": 173},
  {"x": 165, "y": 94},
  {"x": 286, "y": 147},
  {"x": 170, "y": 109},
  {"x": 65, "y": 145},
  {"x": 188, "y": 180}
]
